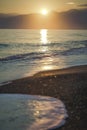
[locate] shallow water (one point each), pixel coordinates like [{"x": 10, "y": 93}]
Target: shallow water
[
  {"x": 25, "y": 52},
  {"x": 27, "y": 112}
]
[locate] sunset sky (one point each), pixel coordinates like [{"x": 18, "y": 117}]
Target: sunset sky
[{"x": 36, "y": 6}]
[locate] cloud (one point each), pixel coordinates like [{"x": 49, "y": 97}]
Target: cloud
[
  {"x": 82, "y": 5},
  {"x": 70, "y": 3}
]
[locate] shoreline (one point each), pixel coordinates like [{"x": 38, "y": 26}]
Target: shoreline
[
  {"x": 66, "y": 70},
  {"x": 68, "y": 85}
]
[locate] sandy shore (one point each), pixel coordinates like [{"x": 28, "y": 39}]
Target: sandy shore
[{"x": 69, "y": 85}]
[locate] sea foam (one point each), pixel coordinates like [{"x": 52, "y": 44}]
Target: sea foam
[{"x": 29, "y": 112}]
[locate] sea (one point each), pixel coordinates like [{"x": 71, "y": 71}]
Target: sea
[{"x": 25, "y": 52}]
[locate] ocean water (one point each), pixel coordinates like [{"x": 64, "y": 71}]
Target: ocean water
[{"x": 25, "y": 52}]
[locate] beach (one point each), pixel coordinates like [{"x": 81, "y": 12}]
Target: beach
[{"x": 68, "y": 85}]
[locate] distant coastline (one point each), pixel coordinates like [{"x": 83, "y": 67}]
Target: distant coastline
[{"x": 72, "y": 19}]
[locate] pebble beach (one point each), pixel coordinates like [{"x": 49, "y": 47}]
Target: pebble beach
[{"x": 68, "y": 85}]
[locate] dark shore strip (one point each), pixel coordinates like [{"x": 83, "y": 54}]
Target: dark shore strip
[{"x": 69, "y": 85}]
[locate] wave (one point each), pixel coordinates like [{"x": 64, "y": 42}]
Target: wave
[
  {"x": 83, "y": 42},
  {"x": 4, "y": 45},
  {"x": 40, "y": 55},
  {"x": 75, "y": 51},
  {"x": 71, "y": 48},
  {"x": 22, "y": 56},
  {"x": 71, "y": 51}
]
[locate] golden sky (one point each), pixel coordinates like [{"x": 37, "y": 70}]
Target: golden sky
[{"x": 35, "y": 6}]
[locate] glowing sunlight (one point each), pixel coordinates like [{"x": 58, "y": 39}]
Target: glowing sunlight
[{"x": 44, "y": 12}]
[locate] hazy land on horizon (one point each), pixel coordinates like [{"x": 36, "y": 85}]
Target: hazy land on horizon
[{"x": 71, "y": 19}]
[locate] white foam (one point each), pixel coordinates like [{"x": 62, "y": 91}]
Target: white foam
[
  {"x": 28, "y": 112},
  {"x": 5, "y": 83}
]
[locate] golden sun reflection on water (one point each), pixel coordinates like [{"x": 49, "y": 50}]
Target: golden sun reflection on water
[
  {"x": 47, "y": 62},
  {"x": 43, "y": 33},
  {"x": 44, "y": 49},
  {"x": 47, "y": 67}
]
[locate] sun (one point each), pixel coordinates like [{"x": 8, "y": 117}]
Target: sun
[{"x": 44, "y": 12}]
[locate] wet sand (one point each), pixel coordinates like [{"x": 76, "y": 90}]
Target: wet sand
[{"x": 68, "y": 85}]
